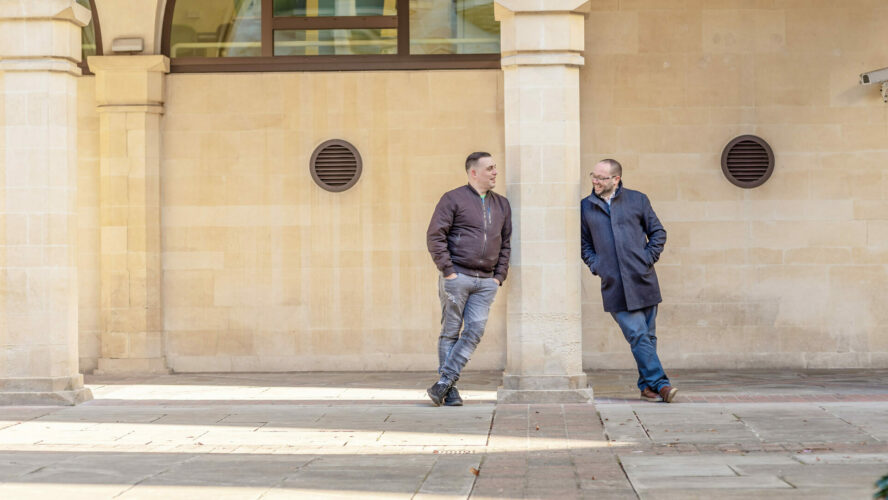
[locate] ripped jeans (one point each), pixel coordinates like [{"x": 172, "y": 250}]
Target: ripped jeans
[{"x": 465, "y": 302}]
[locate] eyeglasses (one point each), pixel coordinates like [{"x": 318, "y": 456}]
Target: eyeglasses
[{"x": 601, "y": 179}]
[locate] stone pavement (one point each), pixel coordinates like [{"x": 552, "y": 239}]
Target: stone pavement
[{"x": 374, "y": 435}]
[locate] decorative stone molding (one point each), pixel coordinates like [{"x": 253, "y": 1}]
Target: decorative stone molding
[
  {"x": 43, "y": 391},
  {"x": 129, "y": 80},
  {"x": 550, "y": 59},
  {"x": 546, "y": 6},
  {"x": 541, "y": 34},
  {"x": 45, "y": 9},
  {"x": 41, "y": 36}
]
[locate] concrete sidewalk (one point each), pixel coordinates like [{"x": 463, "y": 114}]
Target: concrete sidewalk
[{"x": 374, "y": 435}]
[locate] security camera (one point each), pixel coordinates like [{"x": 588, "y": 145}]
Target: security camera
[{"x": 875, "y": 76}]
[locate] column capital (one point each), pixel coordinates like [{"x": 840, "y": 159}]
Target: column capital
[
  {"x": 137, "y": 63},
  {"x": 59, "y": 10},
  {"x": 41, "y": 36},
  {"x": 541, "y": 7},
  {"x": 129, "y": 80},
  {"x": 542, "y": 32}
]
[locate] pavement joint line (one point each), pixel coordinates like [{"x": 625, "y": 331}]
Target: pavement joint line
[
  {"x": 783, "y": 478},
  {"x": 626, "y": 476},
  {"x": 641, "y": 424},
  {"x": 859, "y": 428},
  {"x": 749, "y": 427},
  {"x": 424, "y": 479},
  {"x": 490, "y": 427}
]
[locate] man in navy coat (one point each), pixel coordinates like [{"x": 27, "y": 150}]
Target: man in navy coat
[{"x": 622, "y": 239}]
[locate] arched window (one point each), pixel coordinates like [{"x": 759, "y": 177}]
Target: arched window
[
  {"x": 305, "y": 35},
  {"x": 91, "y": 38}
]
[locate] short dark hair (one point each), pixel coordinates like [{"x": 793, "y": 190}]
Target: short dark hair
[
  {"x": 615, "y": 167},
  {"x": 473, "y": 158}
]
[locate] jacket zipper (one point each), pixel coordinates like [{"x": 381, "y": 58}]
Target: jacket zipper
[{"x": 485, "y": 217}]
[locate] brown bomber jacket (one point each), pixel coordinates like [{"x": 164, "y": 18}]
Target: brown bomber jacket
[{"x": 471, "y": 236}]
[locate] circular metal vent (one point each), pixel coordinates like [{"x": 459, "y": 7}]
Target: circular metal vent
[
  {"x": 747, "y": 161},
  {"x": 335, "y": 165}
]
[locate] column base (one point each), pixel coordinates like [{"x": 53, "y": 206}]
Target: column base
[
  {"x": 132, "y": 366},
  {"x": 49, "y": 391},
  {"x": 531, "y": 389}
]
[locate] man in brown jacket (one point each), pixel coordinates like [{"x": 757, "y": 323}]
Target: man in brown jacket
[{"x": 468, "y": 238}]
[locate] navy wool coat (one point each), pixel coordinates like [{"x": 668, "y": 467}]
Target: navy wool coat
[{"x": 621, "y": 243}]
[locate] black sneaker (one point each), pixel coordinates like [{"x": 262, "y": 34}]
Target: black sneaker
[
  {"x": 437, "y": 392},
  {"x": 452, "y": 398}
]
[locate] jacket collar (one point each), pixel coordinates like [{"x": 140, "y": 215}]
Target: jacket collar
[
  {"x": 489, "y": 191},
  {"x": 594, "y": 198}
]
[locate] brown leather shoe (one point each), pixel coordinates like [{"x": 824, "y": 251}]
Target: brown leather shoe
[
  {"x": 667, "y": 392},
  {"x": 648, "y": 394}
]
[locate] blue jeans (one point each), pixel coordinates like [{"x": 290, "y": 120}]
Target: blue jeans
[
  {"x": 465, "y": 303},
  {"x": 640, "y": 329}
]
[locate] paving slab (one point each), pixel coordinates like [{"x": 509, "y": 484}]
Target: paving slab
[{"x": 374, "y": 435}]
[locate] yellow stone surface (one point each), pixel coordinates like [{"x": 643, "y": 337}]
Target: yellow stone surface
[
  {"x": 259, "y": 269},
  {"x": 264, "y": 270},
  {"x": 784, "y": 275}
]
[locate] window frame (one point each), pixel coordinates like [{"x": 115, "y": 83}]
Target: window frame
[
  {"x": 403, "y": 60},
  {"x": 84, "y": 66}
]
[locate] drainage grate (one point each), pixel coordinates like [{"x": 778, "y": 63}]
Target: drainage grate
[
  {"x": 335, "y": 165},
  {"x": 747, "y": 161}
]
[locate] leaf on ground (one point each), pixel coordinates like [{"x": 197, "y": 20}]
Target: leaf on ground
[{"x": 474, "y": 471}]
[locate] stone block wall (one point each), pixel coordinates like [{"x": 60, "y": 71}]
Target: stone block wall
[
  {"x": 789, "y": 274},
  {"x": 265, "y": 271}
]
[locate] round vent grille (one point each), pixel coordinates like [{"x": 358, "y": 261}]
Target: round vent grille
[
  {"x": 747, "y": 161},
  {"x": 335, "y": 165}
]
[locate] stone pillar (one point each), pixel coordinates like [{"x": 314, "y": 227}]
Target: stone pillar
[
  {"x": 129, "y": 95},
  {"x": 39, "y": 53},
  {"x": 542, "y": 46}
]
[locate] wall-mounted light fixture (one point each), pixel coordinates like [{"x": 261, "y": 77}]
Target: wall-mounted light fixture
[
  {"x": 877, "y": 76},
  {"x": 127, "y": 45}
]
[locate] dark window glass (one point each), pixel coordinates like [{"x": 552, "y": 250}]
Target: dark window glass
[
  {"x": 216, "y": 28},
  {"x": 444, "y": 34},
  {"x": 453, "y": 27},
  {"x": 335, "y": 42},
  {"x": 88, "y": 37},
  {"x": 327, "y": 8}
]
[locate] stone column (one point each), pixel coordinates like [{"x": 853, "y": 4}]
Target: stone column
[
  {"x": 129, "y": 95},
  {"x": 39, "y": 53},
  {"x": 542, "y": 46}
]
